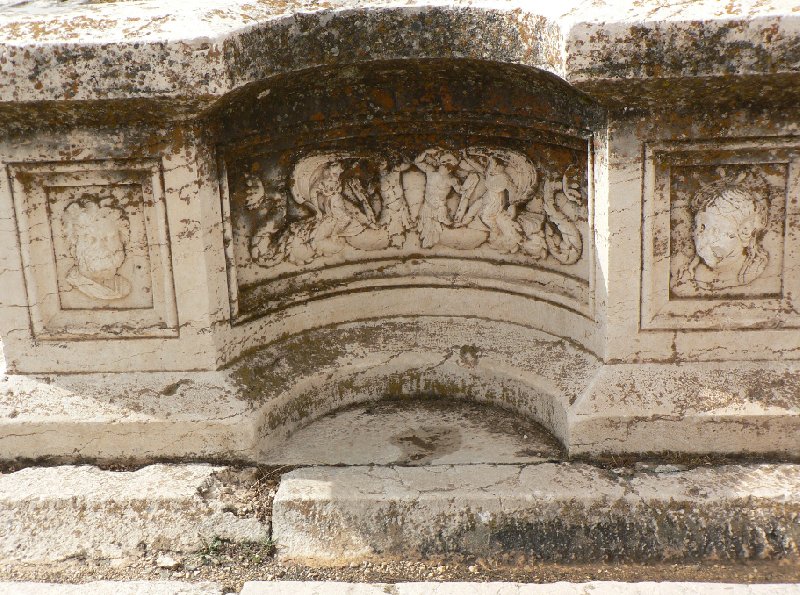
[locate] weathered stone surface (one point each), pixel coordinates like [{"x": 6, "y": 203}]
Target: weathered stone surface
[
  {"x": 123, "y": 416},
  {"x": 417, "y": 432},
  {"x": 112, "y": 588},
  {"x": 214, "y": 47},
  {"x": 55, "y": 513},
  {"x": 589, "y": 588},
  {"x": 564, "y": 512},
  {"x": 707, "y": 407}
]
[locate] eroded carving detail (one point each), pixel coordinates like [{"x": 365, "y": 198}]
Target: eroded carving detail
[
  {"x": 730, "y": 218},
  {"x": 98, "y": 233},
  {"x": 461, "y": 200}
]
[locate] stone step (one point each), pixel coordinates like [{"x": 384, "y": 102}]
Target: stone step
[
  {"x": 426, "y": 588},
  {"x": 551, "y": 511},
  {"x": 111, "y": 588},
  {"x": 590, "y": 588},
  {"x": 54, "y": 513}
]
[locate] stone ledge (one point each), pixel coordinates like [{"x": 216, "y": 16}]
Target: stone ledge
[
  {"x": 590, "y": 588},
  {"x": 111, "y": 588},
  {"x": 135, "y": 416},
  {"x": 557, "y": 512},
  {"x": 215, "y": 48},
  {"x": 54, "y": 513},
  {"x": 247, "y": 410}
]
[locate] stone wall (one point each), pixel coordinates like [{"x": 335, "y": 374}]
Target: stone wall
[{"x": 185, "y": 189}]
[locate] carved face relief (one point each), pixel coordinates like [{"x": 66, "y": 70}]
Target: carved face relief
[
  {"x": 98, "y": 263},
  {"x": 730, "y": 218},
  {"x": 97, "y": 233},
  {"x": 716, "y": 231},
  {"x": 716, "y": 237}
]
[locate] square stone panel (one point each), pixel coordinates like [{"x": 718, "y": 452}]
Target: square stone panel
[
  {"x": 95, "y": 248},
  {"x": 721, "y": 235}
]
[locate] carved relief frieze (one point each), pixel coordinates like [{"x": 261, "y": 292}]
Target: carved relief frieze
[
  {"x": 458, "y": 200},
  {"x": 720, "y": 227},
  {"x": 299, "y": 215},
  {"x": 95, "y": 249}
]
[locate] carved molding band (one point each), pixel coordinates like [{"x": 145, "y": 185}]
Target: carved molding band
[{"x": 478, "y": 197}]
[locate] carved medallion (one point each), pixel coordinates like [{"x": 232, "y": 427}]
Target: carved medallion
[
  {"x": 95, "y": 249},
  {"x": 717, "y": 235}
]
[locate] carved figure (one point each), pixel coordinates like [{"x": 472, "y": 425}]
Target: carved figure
[
  {"x": 343, "y": 211},
  {"x": 508, "y": 180},
  {"x": 273, "y": 240},
  {"x": 395, "y": 216},
  {"x": 440, "y": 180},
  {"x": 98, "y": 233},
  {"x": 562, "y": 206},
  {"x": 730, "y": 219}
]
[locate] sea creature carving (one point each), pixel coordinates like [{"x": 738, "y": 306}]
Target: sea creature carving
[{"x": 476, "y": 198}]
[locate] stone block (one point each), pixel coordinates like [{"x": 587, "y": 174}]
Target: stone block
[
  {"x": 111, "y": 588},
  {"x": 559, "y": 512},
  {"x": 54, "y": 513}
]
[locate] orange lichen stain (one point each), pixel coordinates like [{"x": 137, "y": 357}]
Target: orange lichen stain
[
  {"x": 770, "y": 33},
  {"x": 214, "y": 52},
  {"x": 71, "y": 89},
  {"x": 383, "y": 98}
]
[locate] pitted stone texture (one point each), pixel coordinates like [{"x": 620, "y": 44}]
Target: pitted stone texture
[
  {"x": 213, "y": 47},
  {"x": 50, "y": 514},
  {"x": 560, "y": 588},
  {"x": 562, "y": 512},
  {"x": 111, "y": 588}
]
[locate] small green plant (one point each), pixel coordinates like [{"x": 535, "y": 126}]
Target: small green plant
[
  {"x": 212, "y": 547},
  {"x": 261, "y": 550},
  {"x": 269, "y": 546}
]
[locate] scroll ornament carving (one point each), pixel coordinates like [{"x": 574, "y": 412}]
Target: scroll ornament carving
[
  {"x": 730, "y": 218},
  {"x": 461, "y": 200},
  {"x": 97, "y": 233}
]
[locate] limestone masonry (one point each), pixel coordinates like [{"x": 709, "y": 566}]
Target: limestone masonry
[{"x": 221, "y": 220}]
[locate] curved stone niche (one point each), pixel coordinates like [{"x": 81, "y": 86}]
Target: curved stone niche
[{"x": 407, "y": 175}]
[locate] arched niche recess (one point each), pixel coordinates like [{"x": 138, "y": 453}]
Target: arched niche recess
[{"x": 408, "y": 188}]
